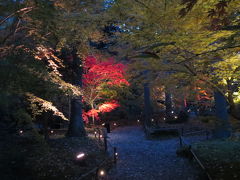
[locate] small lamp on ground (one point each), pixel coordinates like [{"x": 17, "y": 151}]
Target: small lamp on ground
[
  {"x": 81, "y": 159},
  {"x": 101, "y": 173}
]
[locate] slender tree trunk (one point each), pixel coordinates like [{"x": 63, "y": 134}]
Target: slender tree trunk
[
  {"x": 76, "y": 125},
  {"x": 147, "y": 104},
  {"x": 93, "y": 119},
  {"x": 45, "y": 116},
  {"x": 168, "y": 105},
  {"x": 223, "y": 128}
]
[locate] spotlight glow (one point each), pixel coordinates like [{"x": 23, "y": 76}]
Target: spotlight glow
[
  {"x": 102, "y": 173},
  {"x": 81, "y": 155}
]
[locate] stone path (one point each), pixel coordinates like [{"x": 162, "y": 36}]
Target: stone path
[{"x": 142, "y": 159}]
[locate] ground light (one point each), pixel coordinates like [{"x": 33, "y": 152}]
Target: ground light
[
  {"x": 102, "y": 173},
  {"x": 80, "y": 156},
  {"x": 81, "y": 159}
]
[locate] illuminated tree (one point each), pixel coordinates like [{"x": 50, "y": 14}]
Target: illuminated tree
[{"x": 100, "y": 76}]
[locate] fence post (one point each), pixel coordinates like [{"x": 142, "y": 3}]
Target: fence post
[
  {"x": 180, "y": 141},
  {"x": 115, "y": 155}
]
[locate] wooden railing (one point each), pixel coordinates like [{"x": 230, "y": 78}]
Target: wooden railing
[
  {"x": 184, "y": 142},
  {"x": 101, "y": 135}
]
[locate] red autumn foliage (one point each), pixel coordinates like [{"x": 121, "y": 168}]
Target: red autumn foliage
[
  {"x": 98, "y": 75},
  {"x": 99, "y": 72}
]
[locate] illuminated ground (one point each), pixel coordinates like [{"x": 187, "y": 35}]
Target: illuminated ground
[{"x": 142, "y": 159}]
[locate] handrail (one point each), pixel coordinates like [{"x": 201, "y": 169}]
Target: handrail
[
  {"x": 184, "y": 141},
  {"x": 95, "y": 169}
]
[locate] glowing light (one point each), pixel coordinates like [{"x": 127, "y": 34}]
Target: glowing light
[
  {"x": 175, "y": 117},
  {"x": 138, "y": 120},
  {"x": 101, "y": 136},
  {"x": 102, "y": 173},
  {"x": 95, "y": 132},
  {"x": 164, "y": 119},
  {"x": 115, "y": 124},
  {"x": 189, "y": 110},
  {"x": 21, "y": 131},
  {"x": 172, "y": 112},
  {"x": 103, "y": 124},
  {"x": 152, "y": 120},
  {"x": 51, "y": 131},
  {"x": 81, "y": 155}
]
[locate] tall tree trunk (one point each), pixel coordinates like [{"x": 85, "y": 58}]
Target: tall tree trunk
[
  {"x": 168, "y": 105},
  {"x": 45, "y": 117},
  {"x": 223, "y": 128},
  {"x": 76, "y": 125},
  {"x": 147, "y": 104}
]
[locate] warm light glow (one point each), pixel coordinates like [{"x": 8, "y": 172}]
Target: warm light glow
[
  {"x": 175, "y": 117},
  {"x": 21, "y": 131},
  {"x": 102, "y": 173},
  {"x": 101, "y": 136},
  {"x": 115, "y": 124},
  {"x": 52, "y": 131},
  {"x": 103, "y": 124},
  {"x": 95, "y": 132},
  {"x": 116, "y": 154},
  {"x": 81, "y": 155}
]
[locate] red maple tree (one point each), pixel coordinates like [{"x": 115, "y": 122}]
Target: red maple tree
[{"x": 99, "y": 75}]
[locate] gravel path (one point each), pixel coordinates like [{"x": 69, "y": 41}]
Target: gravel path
[{"x": 142, "y": 159}]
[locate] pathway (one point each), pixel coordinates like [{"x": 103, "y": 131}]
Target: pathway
[{"x": 142, "y": 159}]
